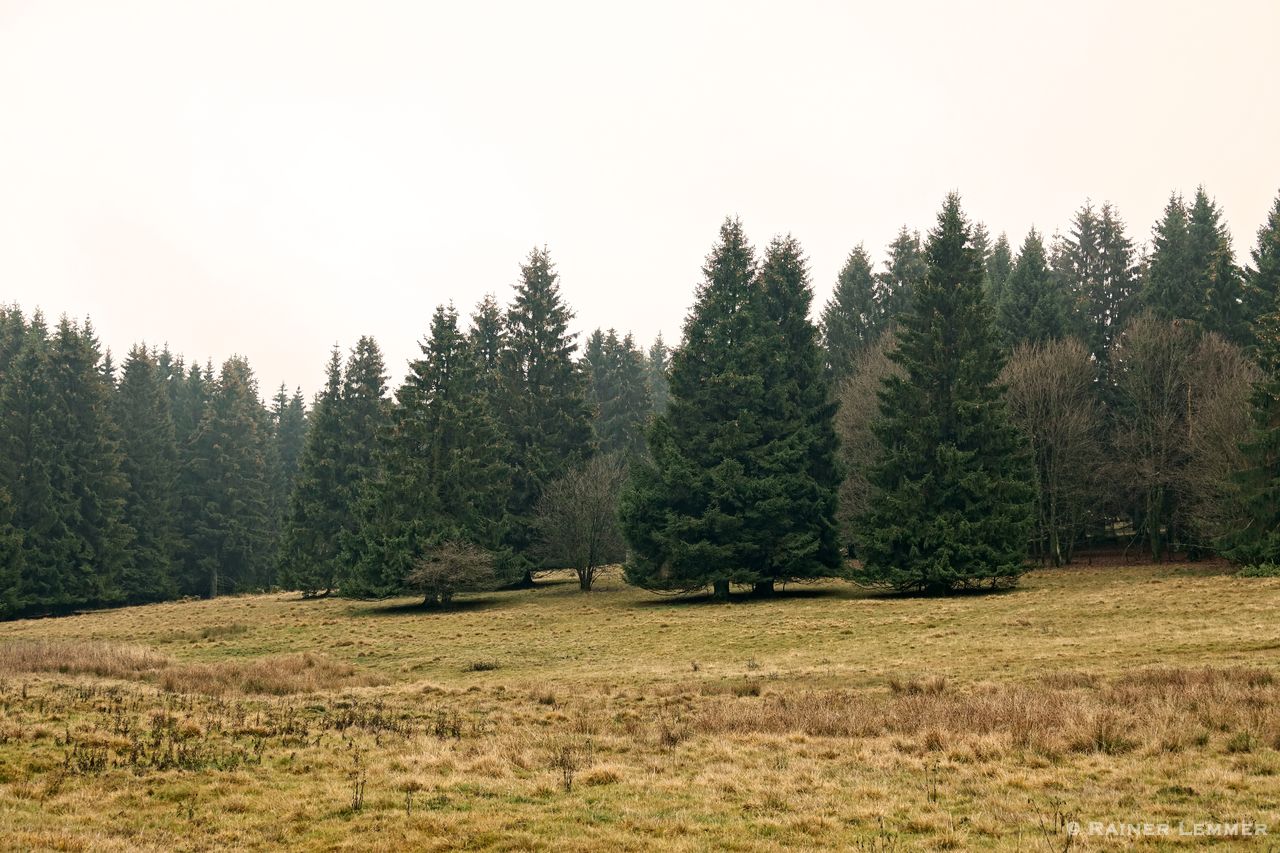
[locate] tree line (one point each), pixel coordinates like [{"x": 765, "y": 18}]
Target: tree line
[{"x": 963, "y": 407}]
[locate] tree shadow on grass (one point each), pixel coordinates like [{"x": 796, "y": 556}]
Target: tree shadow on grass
[
  {"x": 778, "y": 596},
  {"x": 418, "y": 608}
]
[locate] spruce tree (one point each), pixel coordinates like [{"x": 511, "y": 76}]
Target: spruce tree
[
  {"x": 486, "y": 341},
  {"x": 740, "y": 485},
  {"x": 1259, "y": 540},
  {"x": 1213, "y": 266},
  {"x": 150, "y": 465},
  {"x": 1170, "y": 290},
  {"x": 1107, "y": 277},
  {"x": 85, "y": 470},
  {"x": 289, "y": 416},
  {"x": 619, "y": 392},
  {"x": 321, "y": 504},
  {"x": 1033, "y": 307},
  {"x": 11, "y": 555},
  {"x": 904, "y": 272},
  {"x": 1262, "y": 278},
  {"x": 851, "y": 319},
  {"x": 543, "y": 396},
  {"x": 801, "y": 473},
  {"x": 29, "y": 454},
  {"x": 656, "y": 369},
  {"x": 189, "y": 396},
  {"x": 954, "y": 502},
  {"x": 231, "y": 521},
  {"x": 999, "y": 268},
  {"x": 687, "y": 514},
  {"x": 442, "y": 474}
]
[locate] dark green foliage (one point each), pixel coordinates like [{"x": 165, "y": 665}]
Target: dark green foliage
[
  {"x": 733, "y": 493},
  {"x": 1033, "y": 306},
  {"x": 486, "y": 341},
  {"x": 150, "y": 465},
  {"x": 1192, "y": 273},
  {"x": 229, "y": 477},
  {"x": 1262, "y": 279},
  {"x": 338, "y": 462},
  {"x": 85, "y": 477},
  {"x": 799, "y": 458},
  {"x": 11, "y": 553},
  {"x": 1170, "y": 290},
  {"x": 851, "y": 319},
  {"x": 28, "y": 455},
  {"x": 904, "y": 272},
  {"x": 1259, "y": 541},
  {"x": 618, "y": 389},
  {"x": 289, "y": 417},
  {"x": 441, "y": 472},
  {"x": 60, "y": 470},
  {"x": 954, "y": 502},
  {"x": 999, "y": 267},
  {"x": 321, "y": 502},
  {"x": 657, "y": 368},
  {"x": 1097, "y": 267},
  {"x": 543, "y": 403},
  {"x": 189, "y": 396},
  {"x": 1214, "y": 270}
]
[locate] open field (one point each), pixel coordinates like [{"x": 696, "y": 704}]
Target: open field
[{"x": 550, "y": 719}]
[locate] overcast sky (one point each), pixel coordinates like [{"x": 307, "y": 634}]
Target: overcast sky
[{"x": 269, "y": 178}]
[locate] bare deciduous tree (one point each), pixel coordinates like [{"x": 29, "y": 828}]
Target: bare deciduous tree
[
  {"x": 1052, "y": 400},
  {"x": 1221, "y": 380},
  {"x": 858, "y": 409},
  {"x": 451, "y": 567},
  {"x": 578, "y": 518},
  {"x": 1151, "y": 363},
  {"x": 1183, "y": 409}
]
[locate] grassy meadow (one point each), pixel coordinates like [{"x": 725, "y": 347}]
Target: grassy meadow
[{"x": 548, "y": 719}]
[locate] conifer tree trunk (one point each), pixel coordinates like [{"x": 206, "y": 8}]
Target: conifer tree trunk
[
  {"x": 762, "y": 588},
  {"x": 720, "y": 590}
]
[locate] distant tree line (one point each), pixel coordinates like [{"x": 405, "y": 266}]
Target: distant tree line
[
  {"x": 1137, "y": 379},
  {"x": 950, "y": 413}
]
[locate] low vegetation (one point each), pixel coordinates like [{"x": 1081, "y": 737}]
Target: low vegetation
[{"x": 826, "y": 718}]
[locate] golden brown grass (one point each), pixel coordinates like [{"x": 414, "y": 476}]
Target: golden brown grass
[
  {"x": 274, "y": 675},
  {"x": 827, "y": 720}
]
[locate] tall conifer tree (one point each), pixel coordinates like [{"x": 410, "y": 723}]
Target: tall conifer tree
[
  {"x": 441, "y": 474},
  {"x": 321, "y": 503},
  {"x": 150, "y": 465},
  {"x": 656, "y": 369},
  {"x": 904, "y": 272},
  {"x": 737, "y": 488},
  {"x": 233, "y": 526},
  {"x": 543, "y": 397},
  {"x": 1033, "y": 306},
  {"x": 999, "y": 268},
  {"x": 954, "y": 503},
  {"x": 851, "y": 319}
]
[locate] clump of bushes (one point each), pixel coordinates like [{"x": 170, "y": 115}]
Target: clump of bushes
[{"x": 452, "y": 567}]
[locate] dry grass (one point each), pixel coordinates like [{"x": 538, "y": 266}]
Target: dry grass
[
  {"x": 275, "y": 675},
  {"x": 278, "y": 675},
  {"x": 826, "y": 720},
  {"x": 80, "y": 657}
]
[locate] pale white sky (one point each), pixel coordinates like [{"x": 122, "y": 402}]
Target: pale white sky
[{"x": 268, "y": 178}]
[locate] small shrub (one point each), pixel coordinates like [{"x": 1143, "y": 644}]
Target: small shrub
[
  {"x": 1260, "y": 570},
  {"x": 452, "y": 567},
  {"x": 918, "y": 686},
  {"x": 481, "y": 666},
  {"x": 1241, "y": 742}
]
